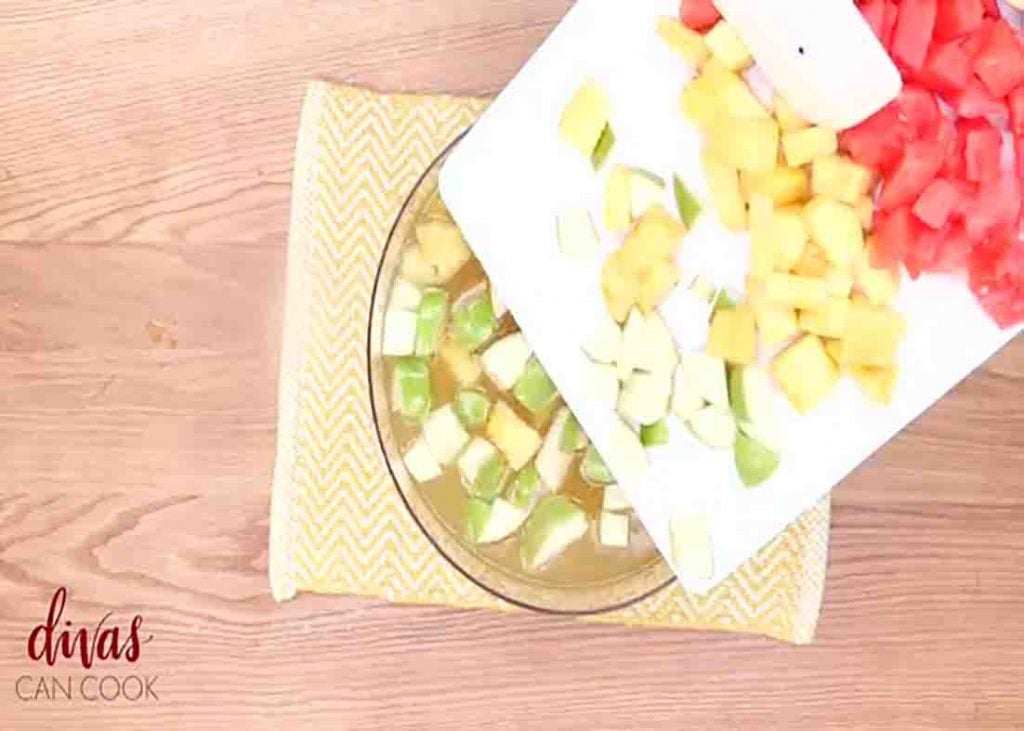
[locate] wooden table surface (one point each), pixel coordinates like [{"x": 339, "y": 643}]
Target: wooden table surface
[{"x": 145, "y": 155}]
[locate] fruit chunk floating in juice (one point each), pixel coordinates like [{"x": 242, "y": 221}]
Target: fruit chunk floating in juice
[{"x": 484, "y": 433}]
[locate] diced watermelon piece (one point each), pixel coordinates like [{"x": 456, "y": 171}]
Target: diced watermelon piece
[
  {"x": 991, "y": 8},
  {"x": 972, "y": 42},
  {"x": 1018, "y": 146},
  {"x": 874, "y": 13},
  {"x": 996, "y": 274},
  {"x": 977, "y": 101},
  {"x": 946, "y": 67},
  {"x": 953, "y": 250},
  {"x": 921, "y": 162},
  {"x": 892, "y": 13},
  {"x": 698, "y": 15},
  {"x": 895, "y": 232},
  {"x": 982, "y": 150},
  {"x": 919, "y": 109},
  {"x": 997, "y": 204},
  {"x": 914, "y": 27},
  {"x": 957, "y": 18},
  {"x": 878, "y": 141},
  {"x": 921, "y": 255},
  {"x": 1016, "y": 104},
  {"x": 999, "y": 63},
  {"x": 937, "y": 203}
]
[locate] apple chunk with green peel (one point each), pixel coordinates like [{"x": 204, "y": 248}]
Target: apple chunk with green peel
[
  {"x": 492, "y": 522},
  {"x": 553, "y": 526},
  {"x": 410, "y": 388},
  {"x": 534, "y": 388},
  {"x": 505, "y": 361},
  {"x": 430, "y": 321},
  {"x": 474, "y": 321}
]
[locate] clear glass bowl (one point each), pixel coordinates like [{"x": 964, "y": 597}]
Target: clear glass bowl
[{"x": 516, "y": 587}]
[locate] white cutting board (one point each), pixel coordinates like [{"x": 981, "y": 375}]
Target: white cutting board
[{"x": 509, "y": 179}]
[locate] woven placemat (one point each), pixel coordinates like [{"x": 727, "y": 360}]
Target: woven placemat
[{"x": 338, "y": 525}]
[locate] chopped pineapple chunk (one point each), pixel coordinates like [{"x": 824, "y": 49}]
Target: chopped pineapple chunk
[
  {"x": 805, "y": 373},
  {"x": 516, "y": 439},
  {"x": 727, "y": 48},
  {"x": 802, "y": 146},
  {"x": 880, "y": 286},
  {"x": 829, "y": 320},
  {"x": 618, "y": 199},
  {"x": 788, "y": 118},
  {"x": 746, "y": 144},
  {"x": 872, "y": 336},
  {"x": 733, "y": 335},
  {"x": 687, "y": 43},
  {"x": 585, "y": 117},
  {"x": 775, "y": 324},
  {"x": 465, "y": 366},
  {"x": 878, "y": 384},
  {"x": 834, "y": 226},
  {"x": 841, "y": 179},
  {"x": 792, "y": 290},
  {"x": 724, "y": 184},
  {"x": 783, "y": 185}
]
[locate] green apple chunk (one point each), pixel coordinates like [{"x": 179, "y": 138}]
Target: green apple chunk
[
  {"x": 605, "y": 341},
  {"x": 751, "y": 395},
  {"x": 484, "y": 471},
  {"x": 505, "y": 360},
  {"x": 689, "y": 208},
  {"x": 755, "y": 463},
  {"x": 686, "y": 397},
  {"x": 646, "y": 190},
  {"x": 714, "y": 426},
  {"x": 444, "y": 434},
  {"x": 645, "y": 397},
  {"x": 605, "y": 144},
  {"x": 420, "y": 462},
  {"x": 491, "y": 522},
  {"x": 654, "y": 435},
  {"x": 474, "y": 321},
  {"x": 555, "y": 524},
  {"x": 613, "y": 530},
  {"x": 534, "y": 389},
  {"x": 593, "y": 469},
  {"x": 552, "y": 461},
  {"x": 573, "y": 438},
  {"x": 525, "y": 488},
  {"x": 615, "y": 499},
  {"x": 647, "y": 345},
  {"x": 707, "y": 375},
  {"x": 430, "y": 320},
  {"x": 691, "y": 545},
  {"x": 472, "y": 407},
  {"x": 410, "y": 388}
]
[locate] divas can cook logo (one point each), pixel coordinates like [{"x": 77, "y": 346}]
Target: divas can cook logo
[{"x": 62, "y": 644}]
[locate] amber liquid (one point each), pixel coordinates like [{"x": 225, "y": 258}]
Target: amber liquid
[{"x": 586, "y": 561}]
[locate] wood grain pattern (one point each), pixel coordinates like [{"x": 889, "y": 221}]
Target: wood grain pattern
[{"x": 145, "y": 153}]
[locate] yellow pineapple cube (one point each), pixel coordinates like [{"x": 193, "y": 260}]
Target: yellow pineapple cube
[
  {"x": 700, "y": 102},
  {"x": 838, "y": 283},
  {"x": 791, "y": 290},
  {"x": 464, "y": 366},
  {"x": 727, "y": 48},
  {"x": 443, "y": 247},
  {"x": 585, "y": 117},
  {"x": 618, "y": 199},
  {"x": 878, "y": 384},
  {"x": 656, "y": 284},
  {"x": 783, "y": 185},
  {"x": 516, "y": 439},
  {"x": 872, "y": 336},
  {"x": 828, "y": 320},
  {"x": 657, "y": 232},
  {"x": 813, "y": 263},
  {"x": 790, "y": 234},
  {"x": 734, "y": 97},
  {"x": 805, "y": 373},
  {"x": 775, "y": 324},
  {"x": 833, "y": 347},
  {"x": 840, "y": 178},
  {"x": 724, "y": 185},
  {"x": 787, "y": 117},
  {"x": 879, "y": 286},
  {"x": 865, "y": 208},
  {"x": 745, "y": 144},
  {"x": 834, "y": 226},
  {"x": 803, "y": 145},
  {"x": 733, "y": 335},
  {"x": 620, "y": 287},
  {"x": 687, "y": 43}
]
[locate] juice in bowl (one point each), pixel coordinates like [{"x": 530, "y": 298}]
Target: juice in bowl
[{"x": 490, "y": 463}]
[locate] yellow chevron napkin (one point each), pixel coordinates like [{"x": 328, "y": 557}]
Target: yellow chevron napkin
[{"x": 338, "y": 526}]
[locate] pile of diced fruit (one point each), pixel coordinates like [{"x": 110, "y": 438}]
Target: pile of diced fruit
[
  {"x": 815, "y": 307},
  {"x": 482, "y": 412},
  {"x": 947, "y": 157}
]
